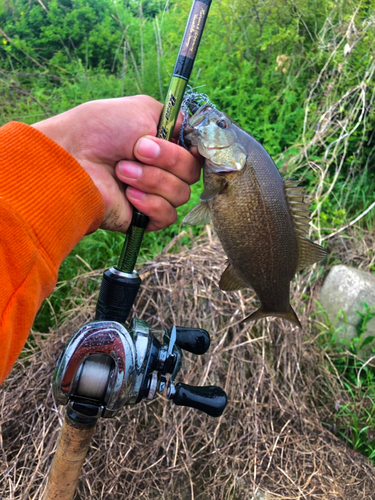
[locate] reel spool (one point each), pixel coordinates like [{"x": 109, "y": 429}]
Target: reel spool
[{"x": 94, "y": 375}]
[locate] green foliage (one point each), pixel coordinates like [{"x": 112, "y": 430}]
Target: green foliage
[
  {"x": 353, "y": 421},
  {"x": 356, "y": 424},
  {"x": 340, "y": 118},
  {"x": 75, "y": 40},
  {"x": 365, "y": 318}
]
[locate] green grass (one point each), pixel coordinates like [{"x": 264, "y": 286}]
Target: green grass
[{"x": 354, "y": 420}]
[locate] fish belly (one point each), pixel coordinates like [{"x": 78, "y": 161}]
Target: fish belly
[{"x": 255, "y": 227}]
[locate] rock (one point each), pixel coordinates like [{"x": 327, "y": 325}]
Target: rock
[{"x": 345, "y": 289}]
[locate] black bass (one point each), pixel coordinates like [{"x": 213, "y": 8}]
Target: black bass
[{"x": 260, "y": 219}]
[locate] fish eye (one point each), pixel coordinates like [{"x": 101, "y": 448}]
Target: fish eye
[{"x": 222, "y": 124}]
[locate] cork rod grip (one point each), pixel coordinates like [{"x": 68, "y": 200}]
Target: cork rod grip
[{"x": 70, "y": 454}]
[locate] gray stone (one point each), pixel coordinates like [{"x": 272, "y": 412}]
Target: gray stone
[{"x": 345, "y": 289}]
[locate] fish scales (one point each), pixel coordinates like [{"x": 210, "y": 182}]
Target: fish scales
[
  {"x": 261, "y": 244},
  {"x": 251, "y": 212}
]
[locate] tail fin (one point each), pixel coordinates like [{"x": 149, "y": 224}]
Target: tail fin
[{"x": 289, "y": 316}]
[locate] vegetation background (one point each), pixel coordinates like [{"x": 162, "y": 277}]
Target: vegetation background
[{"x": 297, "y": 74}]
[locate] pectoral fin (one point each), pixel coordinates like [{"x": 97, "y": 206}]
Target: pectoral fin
[
  {"x": 209, "y": 194},
  {"x": 231, "y": 281},
  {"x": 199, "y": 215}
]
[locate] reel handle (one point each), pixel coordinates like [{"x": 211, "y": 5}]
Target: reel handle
[
  {"x": 194, "y": 340},
  {"x": 211, "y": 399}
]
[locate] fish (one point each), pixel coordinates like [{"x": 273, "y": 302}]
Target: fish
[{"x": 260, "y": 219}]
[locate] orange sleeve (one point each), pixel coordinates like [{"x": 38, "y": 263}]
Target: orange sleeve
[{"x": 47, "y": 204}]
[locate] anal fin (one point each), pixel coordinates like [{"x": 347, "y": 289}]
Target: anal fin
[
  {"x": 199, "y": 215},
  {"x": 230, "y": 281}
]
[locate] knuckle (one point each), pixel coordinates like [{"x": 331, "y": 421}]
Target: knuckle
[
  {"x": 167, "y": 214},
  {"x": 172, "y": 217},
  {"x": 155, "y": 179},
  {"x": 172, "y": 155},
  {"x": 159, "y": 206},
  {"x": 148, "y": 99},
  {"x": 196, "y": 175},
  {"x": 185, "y": 195}
]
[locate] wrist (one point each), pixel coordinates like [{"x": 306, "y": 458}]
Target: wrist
[{"x": 57, "y": 129}]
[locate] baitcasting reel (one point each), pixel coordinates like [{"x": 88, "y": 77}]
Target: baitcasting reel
[{"x": 104, "y": 367}]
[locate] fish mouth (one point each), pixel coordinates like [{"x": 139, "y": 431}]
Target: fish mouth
[
  {"x": 199, "y": 118},
  {"x": 188, "y": 130},
  {"x": 190, "y": 136}
]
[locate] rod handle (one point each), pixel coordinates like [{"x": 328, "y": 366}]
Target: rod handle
[{"x": 70, "y": 454}]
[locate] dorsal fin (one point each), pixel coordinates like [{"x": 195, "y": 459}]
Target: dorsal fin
[
  {"x": 300, "y": 210},
  {"x": 309, "y": 252},
  {"x": 289, "y": 183}
]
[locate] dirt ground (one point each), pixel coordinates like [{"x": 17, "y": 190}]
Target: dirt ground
[{"x": 275, "y": 439}]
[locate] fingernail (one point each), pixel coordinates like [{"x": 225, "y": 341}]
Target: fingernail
[
  {"x": 135, "y": 193},
  {"x": 147, "y": 148},
  {"x": 130, "y": 170}
]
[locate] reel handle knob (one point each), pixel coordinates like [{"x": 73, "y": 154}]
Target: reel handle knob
[
  {"x": 211, "y": 399},
  {"x": 194, "y": 340}
]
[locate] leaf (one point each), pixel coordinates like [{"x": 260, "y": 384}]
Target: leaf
[{"x": 367, "y": 341}]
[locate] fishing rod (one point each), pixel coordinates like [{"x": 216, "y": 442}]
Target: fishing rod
[
  {"x": 105, "y": 367},
  {"x": 121, "y": 283}
]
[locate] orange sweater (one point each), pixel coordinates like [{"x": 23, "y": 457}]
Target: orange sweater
[{"x": 47, "y": 204}]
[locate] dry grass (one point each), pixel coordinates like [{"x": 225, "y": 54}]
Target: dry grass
[{"x": 270, "y": 442}]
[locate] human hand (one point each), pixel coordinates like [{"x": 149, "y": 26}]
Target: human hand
[{"x": 114, "y": 141}]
